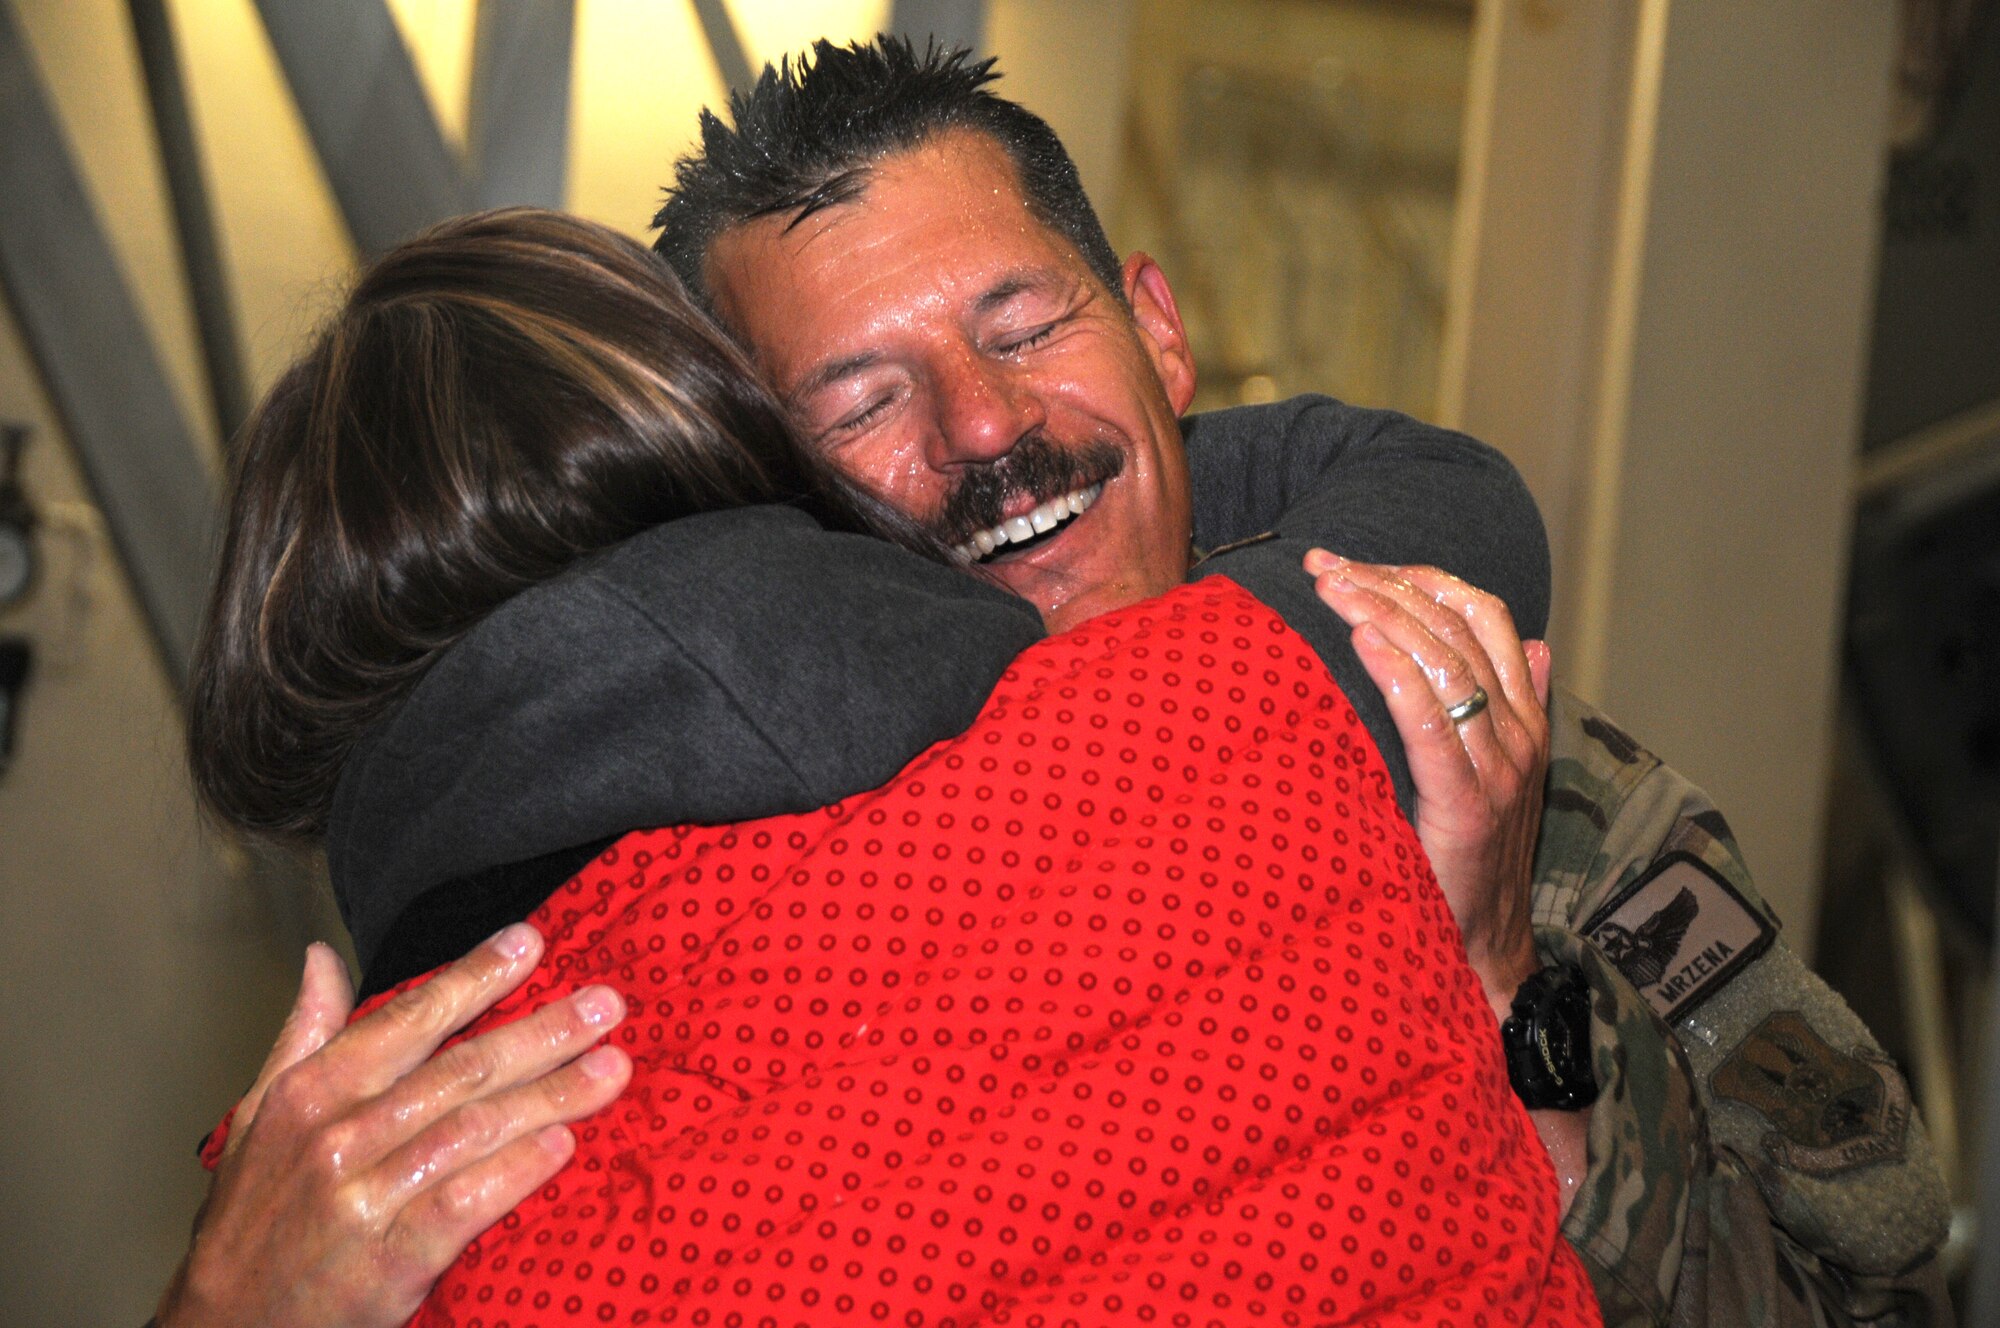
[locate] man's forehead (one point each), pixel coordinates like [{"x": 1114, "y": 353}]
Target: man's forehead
[
  {"x": 932, "y": 164},
  {"x": 941, "y": 223}
]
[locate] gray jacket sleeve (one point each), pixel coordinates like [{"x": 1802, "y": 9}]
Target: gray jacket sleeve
[
  {"x": 723, "y": 667},
  {"x": 1373, "y": 485}
]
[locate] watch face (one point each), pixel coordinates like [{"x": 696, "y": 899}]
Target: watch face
[
  {"x": 1547, "y": 1041},
  {"x": 1569, "y": 1032},
  {"x": 17, "y": 563}
]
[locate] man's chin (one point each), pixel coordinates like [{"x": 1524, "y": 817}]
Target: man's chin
[
  {"x": 1023, "y": 577},
  {"x": 1083, "y": 568},
  {"x": 1028, "y": 577},
  {"x": 1063, "y": 597},
  {"x": 1076, "y": 612}
]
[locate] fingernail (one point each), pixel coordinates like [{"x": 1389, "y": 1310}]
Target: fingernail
[
  {"x": 598, "y": 1006},
  {"x": 1336, "y": 581},
  {"x": 603, "y": 1063},
  {"x": 557, "y": 1140},
  {"x": 1323, "y": 560},
  {"x": 515, "y": 941},
  {"x": 1372, "y": 634}
]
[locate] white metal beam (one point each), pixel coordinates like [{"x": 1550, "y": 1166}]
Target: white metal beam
[{"x": 1660, "y": 308}]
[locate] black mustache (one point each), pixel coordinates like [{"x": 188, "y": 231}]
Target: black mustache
[{"x": 1036, "y": 466}]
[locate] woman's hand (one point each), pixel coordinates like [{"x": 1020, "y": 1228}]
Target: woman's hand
[
  {"x": 359, "y": 1166},
  {"x": 1431, "y": 642}
]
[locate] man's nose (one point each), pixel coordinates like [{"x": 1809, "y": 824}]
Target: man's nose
[{"x": 983, "y": 410}]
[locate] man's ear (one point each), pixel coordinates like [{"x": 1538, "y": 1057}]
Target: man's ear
[{"x": 1160, "y": 328}]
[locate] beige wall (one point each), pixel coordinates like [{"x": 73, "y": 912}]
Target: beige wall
[
  {"x": 1071, "y": 64},
  {"x": 1660, "y": 311},
  {"x": 143, "y": 967},
  {"x": 1292, "y": 165}
]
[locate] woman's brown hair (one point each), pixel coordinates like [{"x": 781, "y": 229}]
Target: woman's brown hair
[{"x": 499, "y": 397}]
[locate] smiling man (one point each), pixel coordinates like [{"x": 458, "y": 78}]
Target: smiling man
[{"x": 976, "y": 373}]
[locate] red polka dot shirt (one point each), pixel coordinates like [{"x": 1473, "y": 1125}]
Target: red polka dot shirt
[{"x": 1136, "y": 1003}]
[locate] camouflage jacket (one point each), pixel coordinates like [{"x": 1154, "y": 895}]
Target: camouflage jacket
[{"x": 1754, "y": 1157}]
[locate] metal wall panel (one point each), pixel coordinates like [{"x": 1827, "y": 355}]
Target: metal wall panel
[
  {"x": 201, "y": 253},
  {"x": 372, "y": 127},
  {"x": 98, "y": 363},
  {"x": 518, "y": 130},
  {"x": 724, "y": 44},
  {"x": 950, "y": 22}
]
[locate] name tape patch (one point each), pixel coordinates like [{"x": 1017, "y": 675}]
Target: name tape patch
[{"x": 1678, "y": 933}]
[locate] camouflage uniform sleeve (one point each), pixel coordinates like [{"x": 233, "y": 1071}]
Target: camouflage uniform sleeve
[
  {"x": 1629, "y": 1217},
  {"x": 1754, "y": 1157}
]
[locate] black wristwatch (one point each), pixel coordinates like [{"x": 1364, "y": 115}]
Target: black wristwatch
[{"x": 1547, "y": 1038}]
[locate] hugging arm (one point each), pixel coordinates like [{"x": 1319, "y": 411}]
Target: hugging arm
[
  {"x": 1378, "y": 487},
  {"x": 1694, "y": 1206},
  {"x": 1374, "y": 486},
  {"x": 359, "y": 1165},
  {"x": 1411, "y": 643}
]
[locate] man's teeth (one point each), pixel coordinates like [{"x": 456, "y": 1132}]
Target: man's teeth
[{"x": 1020, "y": 529}]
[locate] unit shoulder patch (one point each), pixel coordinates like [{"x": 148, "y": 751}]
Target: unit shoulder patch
[
  {"x": 1679, "y": 932},
  {"x": 1832, "y": 1110}
]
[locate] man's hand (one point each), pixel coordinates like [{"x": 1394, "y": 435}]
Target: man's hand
[
  {"x": 358, "y": 1166},
  {"x": 1430, "y": 641}
]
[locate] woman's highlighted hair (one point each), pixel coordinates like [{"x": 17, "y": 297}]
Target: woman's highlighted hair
[{"x": 499, "y": 397}]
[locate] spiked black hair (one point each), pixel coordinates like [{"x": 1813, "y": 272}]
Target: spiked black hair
[{"x": 811, "y": 129}]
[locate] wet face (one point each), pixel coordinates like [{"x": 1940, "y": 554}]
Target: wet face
[{"x": 950, "y": 352}]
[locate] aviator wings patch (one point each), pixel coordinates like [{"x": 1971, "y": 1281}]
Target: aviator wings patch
[{"x": 1678, "y": 933}]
